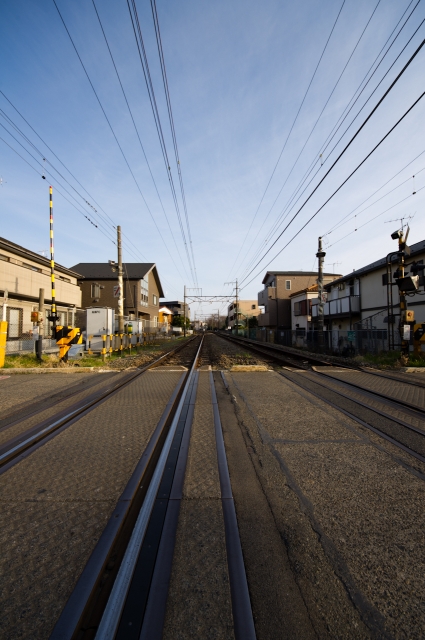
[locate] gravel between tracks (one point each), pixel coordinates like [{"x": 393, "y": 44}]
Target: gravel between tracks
[{"x": 222, "y": 354}]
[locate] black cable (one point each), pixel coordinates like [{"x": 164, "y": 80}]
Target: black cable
[
  {"x": 113, "y": 133},
  {"x": 338, "y": 189},
  {"x": 151, "y": 93},
  {"x": 281, "y": 216},
  {"x": 288, "y": 136},
  {"x": 171, "y": 119},
  {"x": 137, "y": 131},
  {"x": 397, "y": 78}
]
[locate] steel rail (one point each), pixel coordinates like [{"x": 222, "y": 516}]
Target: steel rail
[
  {"x": 397, "y": 379},
  {"x": 379, "y": 432},
  {"x": 241, "y": 604},
  {"x": 90, "y": 595},
  {"x": 111, "y": 617},
  {"x": 277, "y": 351},
  {"x": 389, "y": 399},
  {"x": 14, "y": 448},
  {"x": 57, "y": 398}
]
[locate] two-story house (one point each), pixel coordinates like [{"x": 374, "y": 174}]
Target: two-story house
[
  {"x": 142, "y": 288},
  {"x": 275, "y": 298},
  {"x": 361, "y": 299},
  {"x": 246, "y": 309},
  {"x": 22, "y": 274}
]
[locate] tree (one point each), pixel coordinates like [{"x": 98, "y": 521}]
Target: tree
[
  {"x": 253, "y": 322},
  {"x": 180, "y": 321}
]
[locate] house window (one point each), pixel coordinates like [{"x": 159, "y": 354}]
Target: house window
[
  {"x": 144, "y": 292},
  {"x": 64, "y": 279},
  {"x": 5, "y": 258},
  {"x": 288, "y": 285},
  {"x": 95, "y": 290},
  {"x": 31, "y": 266},
  {"x": 14, "y": 319},
  {"x": 253, "y": 306},
  {"x": 155, "y": 299},
  {"x": 300, "y": 308}
]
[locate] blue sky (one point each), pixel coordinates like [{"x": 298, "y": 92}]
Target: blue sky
[{"x": 237, "y": 74}]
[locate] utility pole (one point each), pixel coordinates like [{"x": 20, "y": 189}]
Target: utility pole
[
  {"x": 405, "y": 339},
  {"x": 237, "y": 307},
  {"x": 320, "y": 255},
  {"x": 184, "y": 312},
  {"x": 120, "y": 284},
  {"x": 39, "y": 344},
  {"x": 53, "y": 314}
]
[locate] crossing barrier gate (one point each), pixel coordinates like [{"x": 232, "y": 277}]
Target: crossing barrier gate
[
  {"x": 3, "y": 339},
  {"x": 65, "y": 337}
]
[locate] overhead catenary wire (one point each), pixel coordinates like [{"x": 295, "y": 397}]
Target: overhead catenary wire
[
  {"x": 375, "y": 217},
  {"x": 114, "y": 134},
  {"x": 137, "y": 131},
  {"x": 292, "y": 201},
  {"x": 151, "y": 94},
  {"x": 173, "y": 131},
  {"x": 392, "y": 85},
  {"x": 129, "y": 247},
  {"x": 347, "y": 219},
  {"x": 69, "y": 171},
  {"x": 288, "y": 135},
  {"x": 324, "y": 107},
  {"x": 339, "y": 188}
]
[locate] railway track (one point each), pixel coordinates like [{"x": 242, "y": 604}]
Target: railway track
[
  {"x": 278, "y": 353},
  {"x": 123, "y": 589},
  {"x": 27, "y": 440},
  {"x": 400, "y": 422}
]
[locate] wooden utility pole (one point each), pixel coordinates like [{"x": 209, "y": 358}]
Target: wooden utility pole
[
  {"x": 184, "y": 312},
  {"x": 320, "y": 255},
  {"x": 120, "y": 284}
]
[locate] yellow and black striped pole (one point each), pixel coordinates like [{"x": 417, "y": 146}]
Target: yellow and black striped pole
[{"x": 53, "y": 315}]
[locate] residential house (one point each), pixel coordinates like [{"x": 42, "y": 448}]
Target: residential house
[
  {"x": 177, "y": 307},
  {"x": 301, "y": 303},
  {"x": 22, "y": 274},
  {"x": 246, "y": 309},
  {"x": 142, "y": 288},
  {"x": 275, "y": 298},
  {"x": 165, "y": 317},
  {"x": 361, "y": 299}
]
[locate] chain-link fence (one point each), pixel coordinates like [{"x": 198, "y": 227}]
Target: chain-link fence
[{"x": 335, "y": 342}]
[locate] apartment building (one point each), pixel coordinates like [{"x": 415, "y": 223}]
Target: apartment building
[
  {"x": 246, "y": 309},
  {"x": 22, "y": 274},
  {"x": 142, "y": 288},
  {"x": 178, "y": 308},
  {"x": 275, "y": 297},
  {"x": 361, "y": 299}
]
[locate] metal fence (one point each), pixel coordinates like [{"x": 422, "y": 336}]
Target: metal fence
[{"x": 341, "y": 343}]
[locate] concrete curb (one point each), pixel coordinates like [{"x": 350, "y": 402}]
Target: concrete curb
[{"x": 58, "y": 370}]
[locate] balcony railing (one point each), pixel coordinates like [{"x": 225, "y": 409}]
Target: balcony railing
[{"x": 349, "y": 305}]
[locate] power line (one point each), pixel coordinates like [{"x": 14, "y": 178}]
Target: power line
[
  {"x": 348, "y": 145},
  {"x": 346, "y": 218},
  {"x": 332, "y": 135},
  {"x": 375, "y": 217},
  {"x": 281, "y": 216},
  {"x": 113, "y": 133},
  {"x": 136, "y": 130},
  {"x": 171, "y": 119},
  {"x": 151, "y": 94},
  {"x": 289, "y": 134},
  {"x": 338, "y": 189}
]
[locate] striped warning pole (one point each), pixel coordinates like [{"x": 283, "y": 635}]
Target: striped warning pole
[{"x": 53, "y": 315}]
